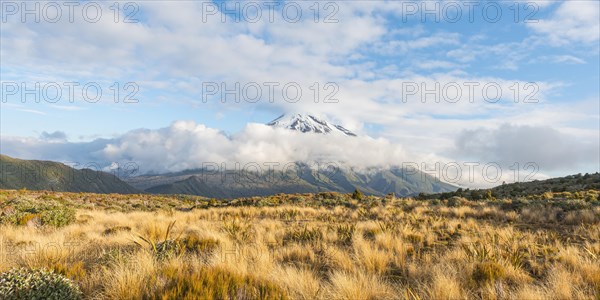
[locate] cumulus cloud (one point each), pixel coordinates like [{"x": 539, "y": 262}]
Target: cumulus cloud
[
  {"x": 573, "y": 21},
  {"x": 185, "y": 52},
  {"x": 305, "y": 52},
  {"x": 175, "y": 38},
  {"x": 57, "y": 136},
  {"x": 188, "y": 145},
  {"x": 547, "y": 147}
]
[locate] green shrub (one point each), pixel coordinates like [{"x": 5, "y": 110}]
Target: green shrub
[
  {"x": 357, "y": 195},
  {"x": 435, "y": 202},
  {"x": 48, "y": 212},
  {"x": 36, "y": 284},
  {"x": 58, "y": 216},
  {"x": 457, "y": 201},
  {"x": 591, "y": 196}
]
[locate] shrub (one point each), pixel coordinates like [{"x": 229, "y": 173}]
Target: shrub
[
  {"x": 48, "y": 212},
  {"x": 30, "y": 219},
  {"x": 547, "y": 195},
  {"x": 435, "y": 202},
  {"x": 58, "y": 216},
  {"x": 591, "y": 196},
  {"x": 328, "y": 196},
  {"x": 457, "y": 201},
  {"x": 357, "y": 195},
  {"x": 36, "y": 284}
]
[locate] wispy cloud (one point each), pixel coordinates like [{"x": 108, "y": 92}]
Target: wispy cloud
[
  {"x": 67, "y": 108},
  {"x": 436, "y": 64},
  {"x": 560, "y": 59},
  {"x": 33, "y": 111}
]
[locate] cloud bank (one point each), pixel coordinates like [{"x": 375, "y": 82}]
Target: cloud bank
[{"x": 188, "y": 145}]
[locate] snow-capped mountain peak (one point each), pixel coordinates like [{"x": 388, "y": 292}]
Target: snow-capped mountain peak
[{"x": 308, "y": 123}]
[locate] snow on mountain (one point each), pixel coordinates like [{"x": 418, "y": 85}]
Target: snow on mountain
[{"x": 308, "y": 123}]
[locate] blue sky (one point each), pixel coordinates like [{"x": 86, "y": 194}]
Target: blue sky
[{"x": 369, "y": 50}]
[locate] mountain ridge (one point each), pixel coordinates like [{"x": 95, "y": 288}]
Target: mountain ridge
[
  {"x": 54, "y": 176},
  {"x": 228, "y": 184}
]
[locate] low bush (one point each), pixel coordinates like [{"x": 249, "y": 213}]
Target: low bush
[
  {"x": 36, "y": 284},
  {"x": 22, "y": 211}
]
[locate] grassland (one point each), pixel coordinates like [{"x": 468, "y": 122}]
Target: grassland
[{"x": 308, "y": 246}]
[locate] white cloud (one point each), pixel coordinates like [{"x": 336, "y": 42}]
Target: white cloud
[
  {"x": 573, "y": 21},
  {"x": 548, "y": 148},
  {"x": 189, "y": 145},
  {"x": 32, "y": 111},
  {"x": 562, "y": 59},
  {"x": 436, "y": 64},
  {"x": 537, "y": 3},
  {"x": 395, "y": 46},
  {"x": 178, "y": 44},
  {"x": 506, "y": 55},
  {"x": 172, "y": 43}
]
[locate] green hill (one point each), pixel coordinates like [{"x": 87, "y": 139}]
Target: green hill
[
  {"x": 53, "y": 176},
  {"x": 570, "y": 184},
  {"x": 234, "y": 184}
]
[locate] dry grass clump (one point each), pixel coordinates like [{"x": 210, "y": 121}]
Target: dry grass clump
[
  {"x": 345, "y": 249},
  {"x": 213, "y": 283}
]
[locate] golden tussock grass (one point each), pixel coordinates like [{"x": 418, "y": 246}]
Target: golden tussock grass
[{"x": 400, "y": 249}]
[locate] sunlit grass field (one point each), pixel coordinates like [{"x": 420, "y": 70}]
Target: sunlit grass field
[{"x": 307, "y": 246}]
